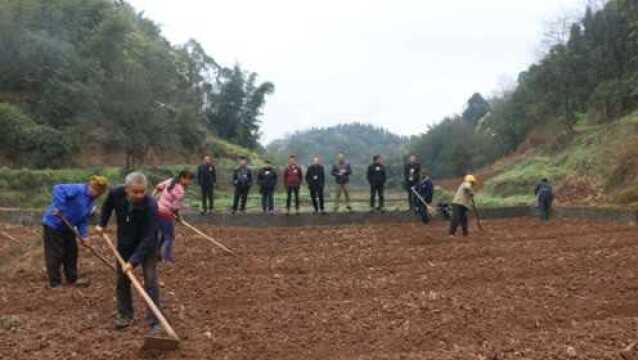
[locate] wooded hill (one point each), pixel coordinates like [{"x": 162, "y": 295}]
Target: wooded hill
[
  {"x": 98, "y": 77},
  {"x": 589, "y": 75}
]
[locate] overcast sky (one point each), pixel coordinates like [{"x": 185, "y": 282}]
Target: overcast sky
[{"x": 400, "y": 64}]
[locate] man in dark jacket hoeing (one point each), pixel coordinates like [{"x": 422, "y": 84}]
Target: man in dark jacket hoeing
[{"x": 136, "y": 216}]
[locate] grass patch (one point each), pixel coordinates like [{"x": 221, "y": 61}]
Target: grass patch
[{"x": 519, "y": 180}]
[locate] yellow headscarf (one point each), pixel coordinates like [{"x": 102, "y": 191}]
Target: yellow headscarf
[{"x": 99, "y": 182}]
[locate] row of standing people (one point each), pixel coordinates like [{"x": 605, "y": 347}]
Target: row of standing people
[{"x": 315, "y": 177}]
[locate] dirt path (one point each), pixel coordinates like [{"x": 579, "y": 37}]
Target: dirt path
[{"x": 518, "y": 291}]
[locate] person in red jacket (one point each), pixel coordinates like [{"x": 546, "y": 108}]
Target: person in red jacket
[{"x": 293, "y": 177}]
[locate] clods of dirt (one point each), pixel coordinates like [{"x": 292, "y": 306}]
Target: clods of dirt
[{"x": 520, "y": 290}]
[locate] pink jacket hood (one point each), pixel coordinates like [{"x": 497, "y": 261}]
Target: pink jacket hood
[{"x": 169, "y": 201}]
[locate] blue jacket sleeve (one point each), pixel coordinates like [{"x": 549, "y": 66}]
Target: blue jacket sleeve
[
  {"x": 83, "y": 228},
  {"x": 61, "y": 194}
]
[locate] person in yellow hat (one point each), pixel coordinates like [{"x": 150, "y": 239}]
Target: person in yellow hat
[
  {"x": 71, "y": 205},
  {"x": 461, "y": 205}
]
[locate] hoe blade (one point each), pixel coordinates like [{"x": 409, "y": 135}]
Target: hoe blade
[{"x": 159, "y": 342}]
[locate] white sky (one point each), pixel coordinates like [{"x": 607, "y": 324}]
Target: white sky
[{"x": 400, "y": 64}]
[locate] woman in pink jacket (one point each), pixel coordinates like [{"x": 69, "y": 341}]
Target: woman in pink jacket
[{"x": 170, "y": 194}]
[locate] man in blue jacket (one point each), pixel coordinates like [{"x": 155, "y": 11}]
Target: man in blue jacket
[
  {"x": 136, "y": 214},
  {"x": 74, "y": 203}
]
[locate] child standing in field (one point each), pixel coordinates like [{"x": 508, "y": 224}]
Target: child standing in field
[
  {"x": 170, "y": 194},
  {"x": 461, "y": 205}
]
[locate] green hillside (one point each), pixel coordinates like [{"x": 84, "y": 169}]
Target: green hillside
[
  {"x": 570, "y": 117},
  {"x": 597, "y": 166},
  {"x": 84, "y": 82}
]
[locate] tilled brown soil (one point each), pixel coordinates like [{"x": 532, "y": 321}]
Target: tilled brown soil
[{"x": 519, "y": 290}]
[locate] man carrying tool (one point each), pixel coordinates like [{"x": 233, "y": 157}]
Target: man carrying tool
[
  {"x": 293, "y": 177},
  {"x": 316, "y": 180},
  {"x": 242, "y": 180},
  {"x": 412, "y": 176},
  {"x": 170, "y": 194},
  {"x": 73, "y": 203},
  {"x": 376, "y": 178},
  {"x": 463, "y": 201},
  {"x": 136, "y": 215},
  {"x": 267, "y": 181},
  {"x": 424, "y": 194},
  {"x": 545, "y": 196},
  {"x": 341, "y": 171},
  {"x": 206, "y": 178}
]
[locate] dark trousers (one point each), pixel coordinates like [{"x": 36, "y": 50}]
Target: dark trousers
[
  {"x": 459, "y": 216},
  {"x": 376, "y": 190},
  {"x": 241, "y": 196},
  {"x": 422, "y": 210},
  {"x": 267, "y": 200},
  {"x": 60, "y": 250},
  {"x": 412, "y": 199},
  {"x": 208, "y": 198},
  {"x": 545, "y": 208},
  {"x": 166, "y": 237},
  {"x": 292, "y": 190},
  {"x": 316, "y": 194},
  {"x": 151, "y": 286}
]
